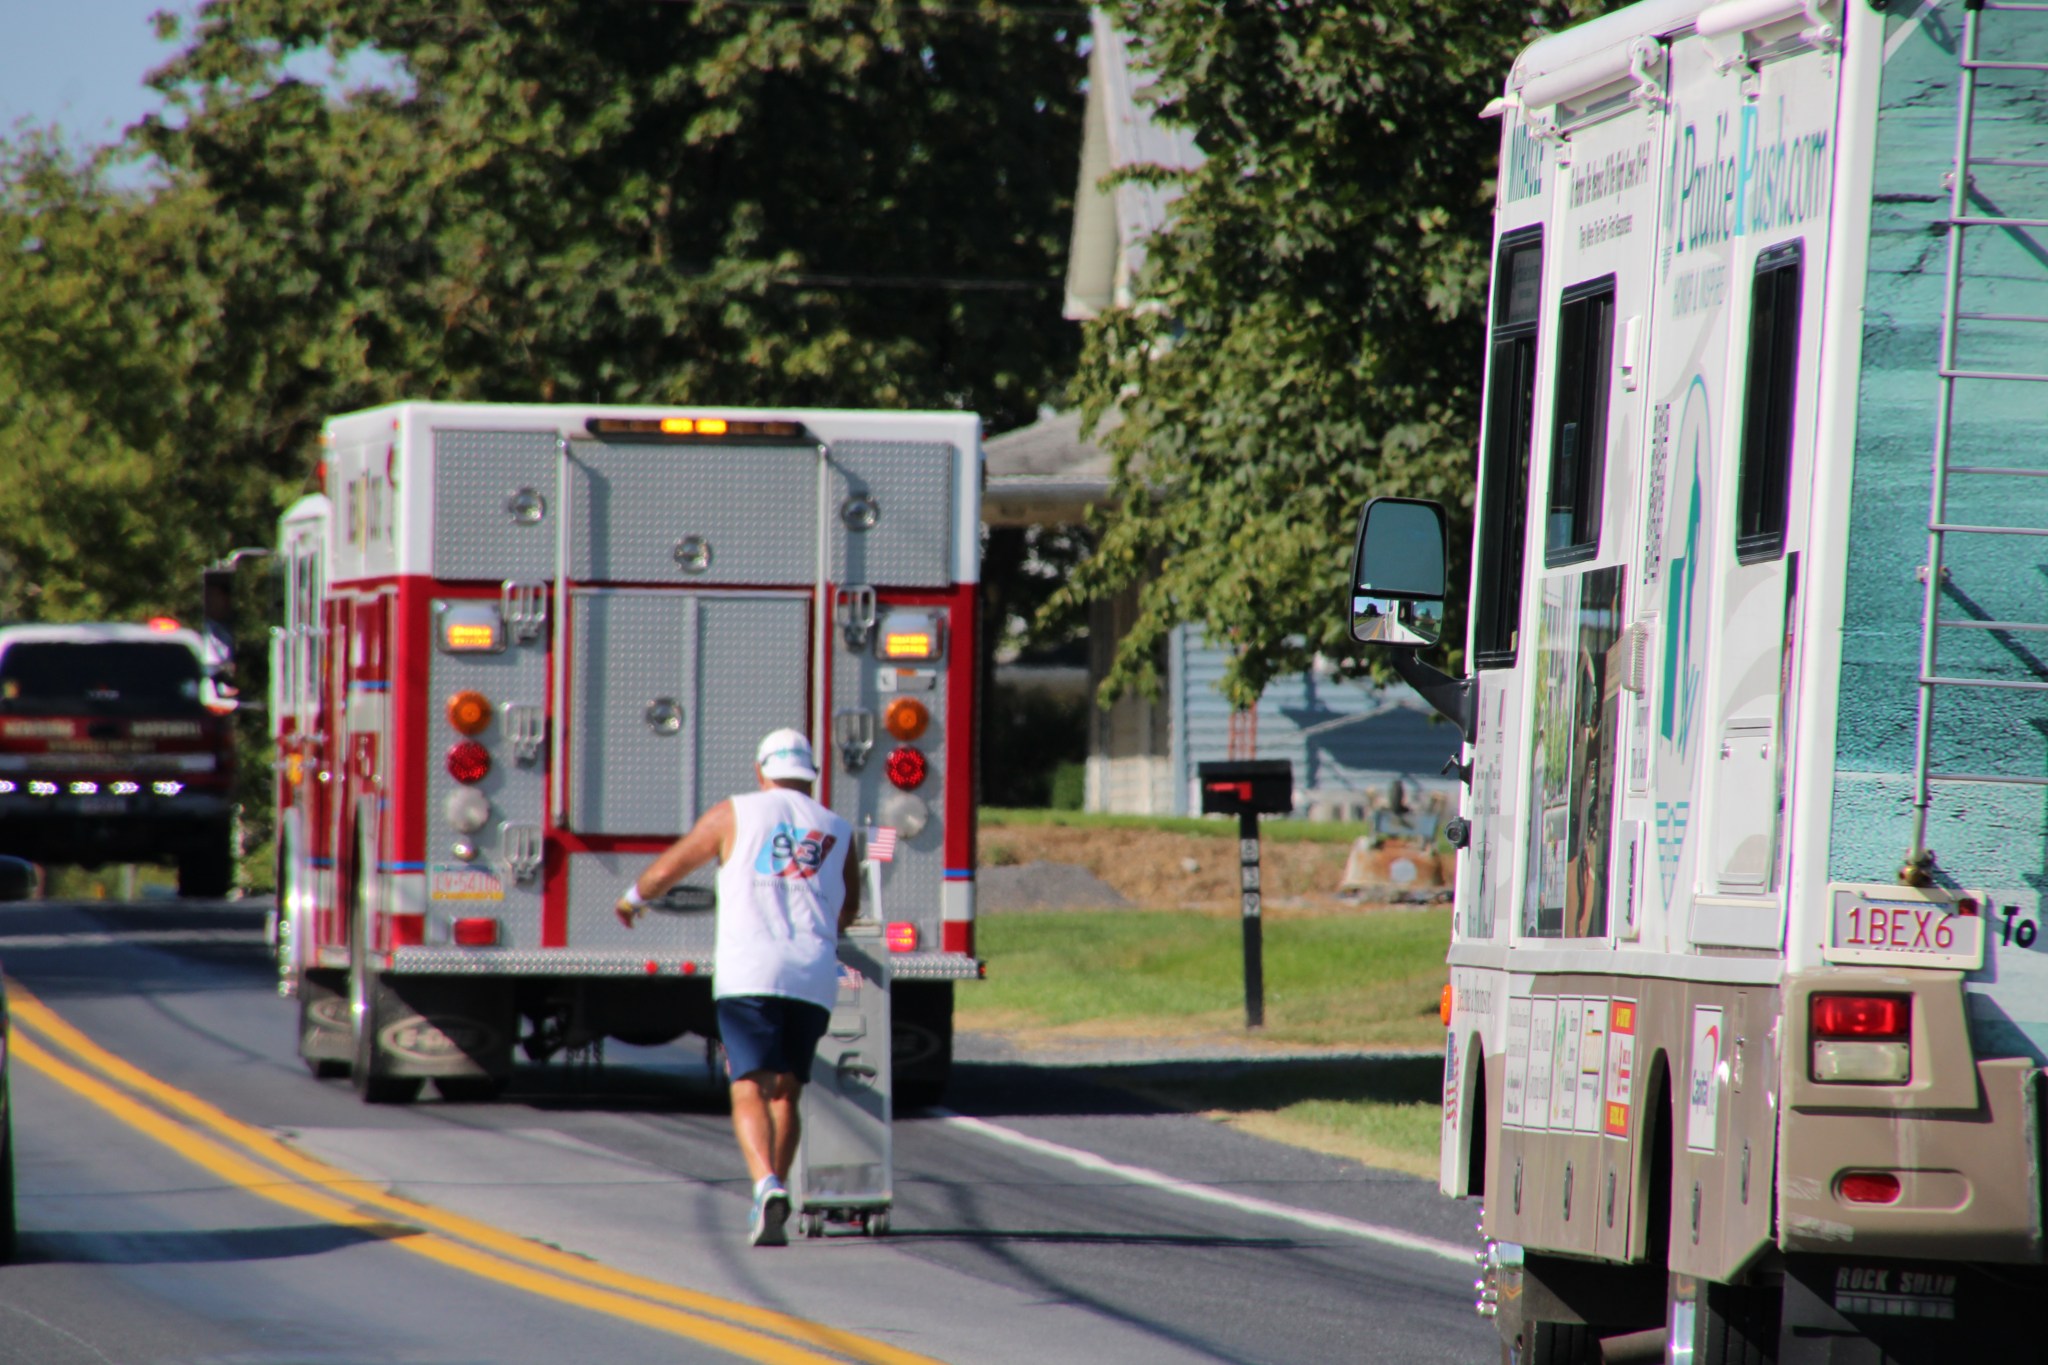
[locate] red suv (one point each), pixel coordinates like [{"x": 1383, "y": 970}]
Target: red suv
[{"x": 116, "y": 746}]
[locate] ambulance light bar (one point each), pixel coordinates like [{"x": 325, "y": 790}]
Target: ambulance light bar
[
  {"x": 694, "y": 428},
  {"x": 910, "y": 637},
  {"x": 470, "y": 627}
]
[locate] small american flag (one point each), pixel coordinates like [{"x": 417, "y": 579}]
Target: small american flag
[{"x": 881, "y": 844}]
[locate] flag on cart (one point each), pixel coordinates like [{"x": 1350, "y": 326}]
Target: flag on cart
[{"x": 881, "y": 844}]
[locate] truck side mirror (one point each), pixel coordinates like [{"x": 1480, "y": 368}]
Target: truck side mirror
[{"x": 1397, "y": 574}]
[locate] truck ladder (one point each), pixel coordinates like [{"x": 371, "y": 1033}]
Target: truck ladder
[{"x": 1962, "y": 220}]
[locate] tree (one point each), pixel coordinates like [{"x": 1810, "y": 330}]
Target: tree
[
  {"x": 857, "y": 204},
  {"x": 1312, "y": 325}
]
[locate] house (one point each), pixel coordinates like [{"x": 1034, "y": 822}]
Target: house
[{"x": 1350, "y": 741}]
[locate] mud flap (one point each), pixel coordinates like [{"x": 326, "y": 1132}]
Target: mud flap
[{"x": 442, "y": 1026}]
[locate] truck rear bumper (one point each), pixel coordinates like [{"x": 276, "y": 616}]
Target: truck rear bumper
[
  {"x": 564, "y": 962},
  {"x": 1969, "y": 1180}
]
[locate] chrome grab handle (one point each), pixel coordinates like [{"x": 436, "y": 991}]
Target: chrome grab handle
[
  {"x": 524, "y": 607},
  {"x": 519, "y": 848},
  {"x": 854, "y": 733},
  {"x": 856, "y": 613},
  {"x": 525, "y": 728}
]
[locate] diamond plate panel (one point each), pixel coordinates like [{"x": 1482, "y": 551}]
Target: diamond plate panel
[
  {"x": 911, "y": 542},
  {"x": 631, "y": 505},
  {"x": 515, "y": 790},
  {"x": 910, "y": 884},
  {"x": 753, "y": 677},
  {"x": 597, "y": 880},
  {"x": 474, "y": 535},
  {"x": 630, "y": 650}
]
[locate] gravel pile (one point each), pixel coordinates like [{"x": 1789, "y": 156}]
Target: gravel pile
[{"x": 1043, "y": 886}]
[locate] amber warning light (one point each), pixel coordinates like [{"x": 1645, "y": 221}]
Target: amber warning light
[{"x": 674, "y": 427}]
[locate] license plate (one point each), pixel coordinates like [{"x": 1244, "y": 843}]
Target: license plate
[
  {"x": 1906, "y": 926},
  {"x": 100, "y": 805}
]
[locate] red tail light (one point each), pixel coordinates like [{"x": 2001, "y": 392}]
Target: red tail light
[
  {"x": 902, "y": 936},
  {"x": 469, "y": 761},
  {"x": 1868, "y": 1187},
  {"x": 478, "y": 932},
  {"x": 907, "y": 768},
  {"x": 1861, "y": 1016}
]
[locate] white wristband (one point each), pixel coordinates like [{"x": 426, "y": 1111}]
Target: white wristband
[{"x": 633, "y": 896}]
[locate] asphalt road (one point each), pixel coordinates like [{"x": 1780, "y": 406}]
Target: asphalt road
[{"x": 216, "y": 1204}]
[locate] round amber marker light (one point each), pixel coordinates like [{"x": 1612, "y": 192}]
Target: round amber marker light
[
  {"x": 469, "y": 712},
  {"x": 906, "y": 718}
]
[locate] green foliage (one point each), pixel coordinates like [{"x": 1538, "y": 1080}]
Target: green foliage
[
  {"x": 1362, "y": 980},
  {"x": 1312, "y": 319},
  {"x": 566, "y": 200},
  {"x": 1028, "y": 738}
]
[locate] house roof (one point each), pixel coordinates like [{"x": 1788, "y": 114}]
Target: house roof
[
  {"x": 1044, "y": 474},
  {"x": 1113, "y": 223}
]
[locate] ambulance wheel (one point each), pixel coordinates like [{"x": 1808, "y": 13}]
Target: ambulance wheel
[
  {"x": 1721, "y": 1324},
  {"x": 1551, "y": 1343},
  {"x": 811, "y": 1224},
  {"x": 373, "y": 1086},
  {"x": 876, "y": 1224},
  {"x": 319, "y": 993},
  {"x": 7, "y": 1223},
  {"x": 207, "y": 870}
]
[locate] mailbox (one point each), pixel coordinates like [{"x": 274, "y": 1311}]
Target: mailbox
[{"x": 1262, "y": 786}]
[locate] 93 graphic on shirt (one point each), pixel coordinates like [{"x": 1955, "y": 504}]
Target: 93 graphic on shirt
[{"x": 794, "y": 852}]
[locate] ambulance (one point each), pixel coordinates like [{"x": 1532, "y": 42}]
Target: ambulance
[
  {"x": 523, "y": 647},
  {"x": 1748, "y": 998}
]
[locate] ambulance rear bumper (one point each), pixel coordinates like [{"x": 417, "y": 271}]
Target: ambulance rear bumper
[{"x": 564, "y": 962}]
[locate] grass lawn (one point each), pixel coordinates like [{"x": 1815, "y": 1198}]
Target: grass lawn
[{"x": 1364, "y": 980}]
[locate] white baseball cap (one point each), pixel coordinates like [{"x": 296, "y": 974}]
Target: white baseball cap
[{"x": 786, "y": 754}]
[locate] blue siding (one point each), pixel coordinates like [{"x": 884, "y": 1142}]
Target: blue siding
[{"x": 1406, "y": 740}]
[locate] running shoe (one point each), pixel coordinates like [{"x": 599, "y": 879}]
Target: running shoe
[{"x": 766, "y": 1224}]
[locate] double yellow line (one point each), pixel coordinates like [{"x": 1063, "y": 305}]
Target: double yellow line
[{"x": 258, "y": 1162}]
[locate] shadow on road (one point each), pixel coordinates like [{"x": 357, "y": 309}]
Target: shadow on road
[
  {"x": 1104, "y": 1239},
  {"x": 1010, "y": 1090},
  {"x": 192, "y": 1248}
]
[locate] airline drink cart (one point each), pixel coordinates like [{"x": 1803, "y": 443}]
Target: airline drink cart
[{"x": 843, "y": 1172}]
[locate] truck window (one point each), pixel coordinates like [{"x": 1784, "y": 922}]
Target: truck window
[
  {"x": 1504, "y": 468},
  {"x": 1764, "y": 478},
  {"x": 113, "y": 678},
  {"x": 1578, "y": 439}
]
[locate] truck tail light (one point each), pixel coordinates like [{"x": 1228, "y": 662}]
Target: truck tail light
[
  {"x": 1868, "y": 1187},
  {"x": 408, "y": 931},
  {"x": 480, "y": 931},
  {"x": 906, "y": 718},
  {"x": 907, "y": 768},
  {"x": 1861, "y": 1016},
  {"x": 469, "y": 711},
  {"x": 1861, "y": 1040},
  {"x": 469, "y": 762},
  {"x": 902, "y": 936}
]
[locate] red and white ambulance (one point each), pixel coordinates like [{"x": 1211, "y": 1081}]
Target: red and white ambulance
[{"x": 523, "y": 648}]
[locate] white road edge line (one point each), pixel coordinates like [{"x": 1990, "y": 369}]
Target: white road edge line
[{"x": 1209, "y": 1194}]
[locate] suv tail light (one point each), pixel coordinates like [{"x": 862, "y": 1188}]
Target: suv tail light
[{"x": 1861, "y": 1039}]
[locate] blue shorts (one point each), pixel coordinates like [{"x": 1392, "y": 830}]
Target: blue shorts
[{"x": 770, "y": 1033}]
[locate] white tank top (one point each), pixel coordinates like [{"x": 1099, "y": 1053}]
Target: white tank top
[{"x": 779, "y": 897}]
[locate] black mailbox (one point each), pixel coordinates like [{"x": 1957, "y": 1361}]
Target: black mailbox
[{"x": 1261, "y": 786}]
